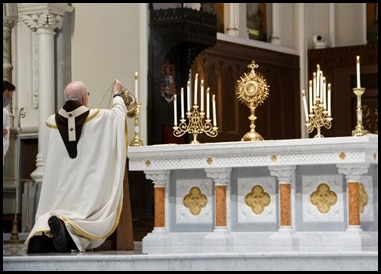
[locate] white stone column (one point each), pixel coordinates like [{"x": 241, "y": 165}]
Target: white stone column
[
  {"x": 353, "y": 174},
  {"x": 8, "y": 24},
  {"x": 221, "y": 178},
  {"x": 233, "y": 19},
  {"x": 44, "y": 18},
  {"x": 275, "y": 35},
  {"x": 160, "y": 179},
  {"x": 284, "y": 175},
  {"x": 9, "y": 18}
]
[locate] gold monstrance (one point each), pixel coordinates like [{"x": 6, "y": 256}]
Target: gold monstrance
[{"x": 252, "y": 90}]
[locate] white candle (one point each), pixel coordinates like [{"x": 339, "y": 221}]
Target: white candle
[
  {"x": 214, "y": 110},
  {"x": 195, "y": 89},
  {"x": 310, "y": 94},
  {"x": 182, "y": 102},
  {"x": 188, "y": 96},
  {"x": 329, "y": 99},
  {"x": 305, "y": 104},
  {"x": 136, "y": 85},
  {"x": 202, "y": 96},
  {"x": 207, "y": 103},
  {"x": 175, "y": 109},
  {"x": 324, "y": 94},
  {"x": 314, "y": 86},
  {"x": 318, "y": 81},
  {"x": 358, "y": 71}
]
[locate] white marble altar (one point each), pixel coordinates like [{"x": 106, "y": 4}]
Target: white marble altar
[{"x": 303, "y": 195}]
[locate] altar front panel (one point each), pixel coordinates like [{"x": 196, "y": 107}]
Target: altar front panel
[{"x": 288, "y": 194}]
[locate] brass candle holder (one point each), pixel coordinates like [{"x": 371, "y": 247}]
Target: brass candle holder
[
  {"x": 318, "y": 118},
  {"x": 136, "y": 141},
  {"x": 252, "y": 90},
  {"x": 359, "y": 129},
  {"x": 196, "y": 125}
]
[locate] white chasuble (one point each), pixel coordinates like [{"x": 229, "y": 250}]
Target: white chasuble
[{"x": 86, "y": 192}]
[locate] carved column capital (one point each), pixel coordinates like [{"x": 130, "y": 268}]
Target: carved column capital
[
  {"x": 160, "y": 178},
  {"x": 353, "y": 172},
  {"x": 8, "y": 23},
  {"x": 221, "y": 176},
  {"x": 283, "y": 173},
  {"x": 47, "y": 16}
]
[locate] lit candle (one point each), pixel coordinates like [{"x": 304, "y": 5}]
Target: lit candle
[
  {"x": 214, "y": 110},
  {"x": 175, "y": 109},
  {"x": 202, "y": 96},
  {"x": 188, "y": 97},
  {"x": 310, "y": 94},
  {"x": 358, "y": 71},
  {"x": 182, "y": 103},
  {"x": 207, "y": 103},
  {"x": 329, "y": 99},
  {"x": 136, "y": 85},
  {"x": 305, "y": 104},
  {"x": 195, "y": 89}
]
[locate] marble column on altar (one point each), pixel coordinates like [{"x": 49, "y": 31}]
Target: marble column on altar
[
  {"x": 221, "y": 178},
  {"x": 160, "y": 180},
  {"x": 284, "y": 175},
  {"x": 353, "y": 174}
]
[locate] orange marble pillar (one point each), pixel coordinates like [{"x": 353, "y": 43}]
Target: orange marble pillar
[
  {"x": 220, "y": 205},
  {"x": 159, "y": 220},
  {"x": 353, "y": 204},
  {"x": 285, "y": 204}
]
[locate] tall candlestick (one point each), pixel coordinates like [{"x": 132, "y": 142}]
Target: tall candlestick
[
  {"x": 358, "y": 71},
  {"x": 136, "y": 85},
  {"x": 214, "y": 110},
  {"x": 202, "y": 96},
  {"x": 310, "y": 96},
  {"x": 195, "y": 89},
  {"x": 182, "y": 103},
  {"x": 207, "y": 103},
  {"x": 329, "y": 99},
  {"x": 188, "y": 96},
  {"x": 175, "y": 109},
  {"x": 305, "y": 104}
]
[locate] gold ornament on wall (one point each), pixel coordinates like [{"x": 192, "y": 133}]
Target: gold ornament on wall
[{"x": 252, "y": 90}]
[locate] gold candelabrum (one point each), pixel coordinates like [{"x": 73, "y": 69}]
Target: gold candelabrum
[
  {"x": 318, "y": 119},
  {"x": 252, "y": 90},
  {"x": 359, "y": 129},
  {"x": 197, "y": 121},
  {"x": 319, "y": 96}
]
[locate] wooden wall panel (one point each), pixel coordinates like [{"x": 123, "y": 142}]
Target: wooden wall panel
[{"x": 339, "y": 67}]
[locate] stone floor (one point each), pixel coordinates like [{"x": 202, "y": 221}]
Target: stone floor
[{"x": 15, "y": 258}]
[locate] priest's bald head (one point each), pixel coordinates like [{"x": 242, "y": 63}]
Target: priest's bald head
[{"x": 76, "y": 91}]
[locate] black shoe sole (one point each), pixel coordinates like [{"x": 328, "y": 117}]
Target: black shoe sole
[
  {"x": 40, "y": 244},
  {"x": 59, "y": 236}
]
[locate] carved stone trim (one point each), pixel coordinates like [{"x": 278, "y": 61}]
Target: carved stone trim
[
  {"x": 283, "y": 173},
  {"x": 220, "y": 176},
  {"x": 353, "y": 172},
  {"x": 159, "y": 178}
]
